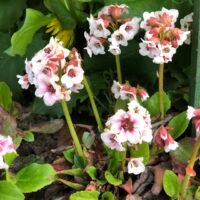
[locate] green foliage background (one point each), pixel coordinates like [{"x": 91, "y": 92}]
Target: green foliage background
[{"x": 100, "y": 69}]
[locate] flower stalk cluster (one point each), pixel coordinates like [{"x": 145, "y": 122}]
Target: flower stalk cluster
[
  {"x": 56, "y": 72},
  {"x": 128, "y": 128},
  {"x": 111, "y": 28},
  {"x": 161, "y": 41}
]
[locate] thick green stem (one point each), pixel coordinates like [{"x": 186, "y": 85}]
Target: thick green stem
[
  {"x": 72, "y": 130},
  {"x": 93, "y": 104},
  {"x": 191, "y": 163},
  {"x": 160, "y": 86},
  {"x": 118, "y": 66}
]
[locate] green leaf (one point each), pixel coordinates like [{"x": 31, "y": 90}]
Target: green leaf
[
  {"x": 179, "y": 123},
  {"x": 75, "y": 186},
  {"x": 22, "y": 38},
  {"x": 72, "y": 172},
  {"x": 69, "y": 155},
  {"x": 9, "y": 191},
  {"x": 153, "y": 102},
  {"x": 92, "y": 172},
  {"x": 10, "y": 12},
  {"x": 5, "y": 96},
  {"x": 64, "y": 15},
  {"x": 88, "y": 139},
  {"x": 17, "y": 141},
  {"x": 9, "y": 158},
  {"x": 107, "y": 196},
  {"x": 35, "y": 177},
  {"x": 112, "y": 180},
  {"x": 28, "y": 136},
  {"x": 142, "y": 151},
  {"x": 171, "y": 183},
  {"x": 78, "y": 161},
  {"x": 184, "y": 151},
  {"x": 83, "y": 195}
]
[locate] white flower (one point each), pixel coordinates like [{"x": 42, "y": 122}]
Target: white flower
[
  {"x": 23, "y": 81},
  {"x": 190, "y": 112},
  {"x": 73, "y": 76},
  {"x": 114, "y": 49},
  {"x": 97, "y": 27},
  {"x": 48, "y": 89},
  {"x": 171, "y": 146},
  {"x": 116, "y": 89},
  {"x": 136, "y": 166},
  {"x": 118, "y": 38},
  {"x": 6, "y": 146},
  {"x": 166, "y": 54},
  {"x": 186, "y": 25},
  {"x": 94, "y": 45},
  {"x": 130, "y": 28},
  {"x": 148, "y": 48},
  {"x": 146, "y": 135},
  {"x": 184, "y": 37},
  {"x": 146, "y": 17},
  {"x": 111, "y": 140},
  {"x": 127, "y": 125},
  {"x": 165, "y": 17}
]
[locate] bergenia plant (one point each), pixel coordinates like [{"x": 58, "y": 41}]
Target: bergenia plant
[
  {"x": 161, "y": 41},
  {"x": 56, "y": 72},
  {"x": 133, "y": 141},
  {"x": 111, "y": 28}
]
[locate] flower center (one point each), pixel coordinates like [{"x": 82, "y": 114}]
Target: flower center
[
  {"x": 127, "y": 124},
  {"x": 71, "y": 73},
  {"x": 51, "y": 89}
]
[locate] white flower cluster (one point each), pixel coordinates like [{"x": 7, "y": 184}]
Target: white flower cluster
[
  {"x": 161, "y": 38},
  {"x": 110, "y": 27},
  {"x": 55, "y": 72},
  {"x": 6, "y": 146},
  {"x": 124, "y": 91},
  {"x": 131, "y": 127}
]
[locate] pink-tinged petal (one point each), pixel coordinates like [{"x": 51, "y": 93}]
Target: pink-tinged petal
[
  {"x": 50, "y": 99},
  {"x": 110, "y": 139},
  {"x": 136, "y": 166},
  {"x": 23, "y": 81}
]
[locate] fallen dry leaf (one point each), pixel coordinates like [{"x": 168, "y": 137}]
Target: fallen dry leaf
[{"x": 48, "y": 127}]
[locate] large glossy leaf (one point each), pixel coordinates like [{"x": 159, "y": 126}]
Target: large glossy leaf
[
  {"x": 9, "y": 191},
  {"x": 10, "y": 12},
  {"x": 83, "y": 195},
  {"x": 142, "y": 151},
  {"x": 154, "y": 101},
  {"x": 63, "y": 14},
  {"x": 179, "y": 123},
  {"x": 171, "y": 183},
  {"x": 10, "y": 66},
  {"x": 184, "y": 151},
  {"x": 35, "y": 177},
  {"x": 22, "y": 38}
]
